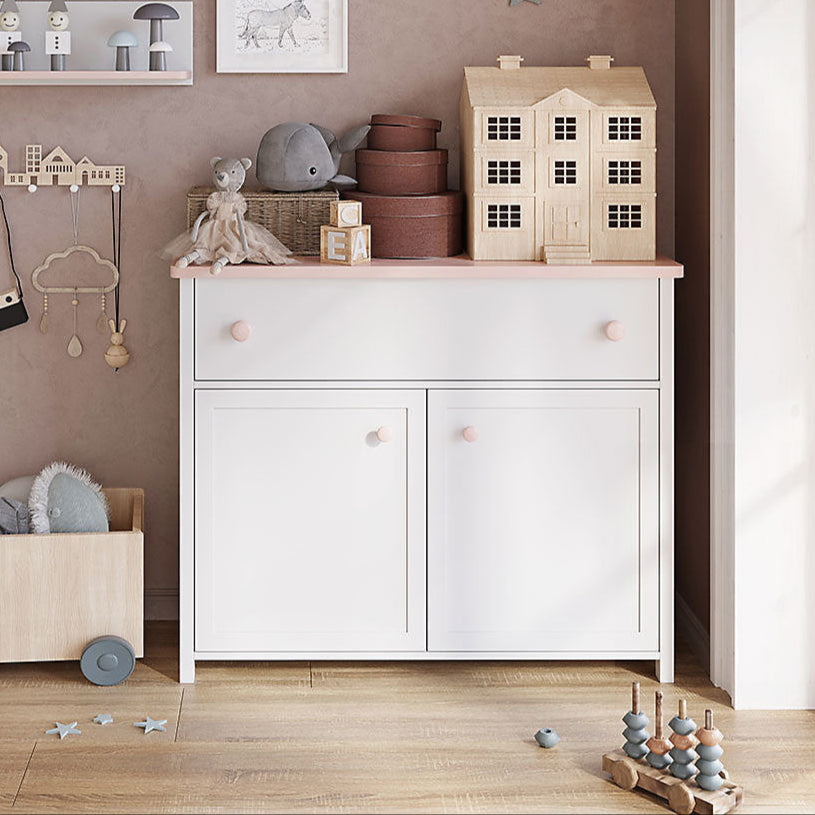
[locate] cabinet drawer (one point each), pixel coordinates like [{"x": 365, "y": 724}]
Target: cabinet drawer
[{"x": 426, "y": 330}]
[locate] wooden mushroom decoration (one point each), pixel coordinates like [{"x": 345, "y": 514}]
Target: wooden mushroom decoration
[
  {"x": 160, "y": 50},
  {"x": 117, "y": 356},
  {"x": 19, "y": 50},
  {"x": 156, "y": 13},
  {"x": 122, "y": 41}
]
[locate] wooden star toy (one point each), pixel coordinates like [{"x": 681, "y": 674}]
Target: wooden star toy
[
  {"x": 64, "y": 730},
  {"x": 103, "y": 718},
  {"x": 152, "y": 724}
]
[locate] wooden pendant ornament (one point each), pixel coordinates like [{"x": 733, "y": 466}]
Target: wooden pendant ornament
[
  {"x": 44, "y": 318},
  {"x": 117, "y": 356},
  {"x": 102, "y": 320},
  {"x": 74, "y": 345}
]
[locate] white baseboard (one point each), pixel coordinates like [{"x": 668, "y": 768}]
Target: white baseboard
[
  {"x": 161, "y": 604},
  {"x": 692, "y": 631}
]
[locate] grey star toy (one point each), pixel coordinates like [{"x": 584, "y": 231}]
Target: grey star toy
[
  {"x": 518, "y": 2},
  {"x": 64, "y": 730},
  {"x": 152, "y": 724},
  {"x": 103, "y": 718}
]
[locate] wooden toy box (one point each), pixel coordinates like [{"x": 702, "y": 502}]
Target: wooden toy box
[{"x": 58, "y": 592}]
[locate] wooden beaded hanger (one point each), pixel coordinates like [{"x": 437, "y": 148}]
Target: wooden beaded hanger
[{"x": 74, "y": 344}]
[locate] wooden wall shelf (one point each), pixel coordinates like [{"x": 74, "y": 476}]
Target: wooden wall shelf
[
  {"x": 91, "y": 60},
  {"x": 95, "y": 77}
]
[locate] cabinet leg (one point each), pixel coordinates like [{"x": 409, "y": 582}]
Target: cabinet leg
[
  {"x": 664, "y": 669},
  {"x": 186, "y": 669},
  {"x": 186, "y": 666}
]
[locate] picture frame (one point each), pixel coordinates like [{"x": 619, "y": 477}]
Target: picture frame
[{"x": 282, "y": 36}]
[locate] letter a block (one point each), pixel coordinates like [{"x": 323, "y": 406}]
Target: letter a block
[{"x": 345, "y": 245}]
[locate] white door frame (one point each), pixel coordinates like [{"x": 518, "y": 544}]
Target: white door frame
[{"x": 722, "y": 344}]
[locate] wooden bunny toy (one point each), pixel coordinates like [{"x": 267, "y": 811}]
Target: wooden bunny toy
[{"x": 117, "y": 356}]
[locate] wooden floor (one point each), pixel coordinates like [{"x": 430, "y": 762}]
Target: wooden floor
[{"x": 370, "y": 737}]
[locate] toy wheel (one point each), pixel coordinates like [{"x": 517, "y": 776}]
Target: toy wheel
[
  {"x": 107, "y": 660},
  {"x": 624, "y": 775},
  {"x": 681, "y": 799}
]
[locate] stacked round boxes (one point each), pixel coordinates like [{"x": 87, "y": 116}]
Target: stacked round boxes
[{"x": 402, "y": 183}]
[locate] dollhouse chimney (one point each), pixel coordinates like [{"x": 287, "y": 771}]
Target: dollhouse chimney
[
  {"x": 600, "y": 63},
  {"x": 510, "y": 63}
]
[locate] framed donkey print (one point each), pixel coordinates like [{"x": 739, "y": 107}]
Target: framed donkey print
[{"x": 282, "y": 36}]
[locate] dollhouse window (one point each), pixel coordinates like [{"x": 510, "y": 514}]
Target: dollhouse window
[
  {"x": 503, "y": 216},
  {"x": 625, "y": 172},
  {"x": 504, "y": 128},
  {"x": 565, "y": 128},
  {"x": 503, "y": 172},
  {"x": 624, "y": 128},
  {"x": 625, "y": 216},
  {"x": 565, "y": 172}
]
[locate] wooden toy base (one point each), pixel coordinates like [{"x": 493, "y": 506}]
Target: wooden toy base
[{"x": 683, "y": 797}]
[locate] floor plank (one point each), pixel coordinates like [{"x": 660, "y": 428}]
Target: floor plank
[
  {"x": 14, "y": 757},
  {"x": 364, "y": 737}
]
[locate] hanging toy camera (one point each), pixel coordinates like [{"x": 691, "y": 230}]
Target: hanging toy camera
[{"x": 12, "y": 308}]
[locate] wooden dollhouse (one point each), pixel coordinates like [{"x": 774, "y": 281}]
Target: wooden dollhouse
[{"x": 559, "y": 164}]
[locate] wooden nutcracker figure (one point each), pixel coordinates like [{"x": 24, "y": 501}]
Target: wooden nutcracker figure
[
  {"x": 9, "y": 25},
  {"x": 58, "y": 39}
]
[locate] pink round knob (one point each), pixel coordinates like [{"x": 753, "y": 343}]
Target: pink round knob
[
  {"x": 241, "y": 331},
  {"x": 385, "y": 434},
  {"x": 469, "y": 434},
  {"x": 615, "y": 330}
]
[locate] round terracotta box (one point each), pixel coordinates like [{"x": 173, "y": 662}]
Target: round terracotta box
[
  {"x": 402, "y": 133},
  {"x": 426, "y": 226},
  {"x": 407, "y": 173}
]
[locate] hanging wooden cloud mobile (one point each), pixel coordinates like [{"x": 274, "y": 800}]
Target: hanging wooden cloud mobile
[{"x": 116, "y": 355}]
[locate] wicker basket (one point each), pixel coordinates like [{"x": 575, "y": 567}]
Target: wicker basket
[{"x": 294, "y": 218}]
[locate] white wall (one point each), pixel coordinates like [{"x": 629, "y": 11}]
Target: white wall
[{"x": 774, "y": 354}]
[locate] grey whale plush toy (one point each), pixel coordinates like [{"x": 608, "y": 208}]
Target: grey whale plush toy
[{"x": 296, "y": 157}]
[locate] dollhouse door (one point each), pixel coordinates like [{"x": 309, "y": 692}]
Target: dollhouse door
[
  {"x": 310, "y": 527},
  {"x": 543, "y": 521},
  {"x": 568, "y": 225}
]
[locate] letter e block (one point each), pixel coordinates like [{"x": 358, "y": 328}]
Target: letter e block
[{"x": 348, "y": 246}]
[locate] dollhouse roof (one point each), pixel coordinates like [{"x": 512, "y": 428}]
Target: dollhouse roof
[{"x": 525, "y": 87}]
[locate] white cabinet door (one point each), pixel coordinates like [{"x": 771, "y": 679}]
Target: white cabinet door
[
  {"x": 309, "y": 530},
  {"x": 543, "y": 532}
]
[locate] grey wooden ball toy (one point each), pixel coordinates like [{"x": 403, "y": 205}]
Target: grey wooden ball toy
[
  {"x": 636, "y": 723},
  {"x": 709, "y": 776},
  {"x": 682, "y": 752},
  {"x": 547, "y": 737}
]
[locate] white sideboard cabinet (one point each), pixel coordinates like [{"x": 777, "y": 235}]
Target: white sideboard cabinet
[{"x": 427, "y": 460}]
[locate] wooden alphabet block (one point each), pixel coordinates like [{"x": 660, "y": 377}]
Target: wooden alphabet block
[
  {"x": 346, "y": 213},
  {"x": 346, "y": 245}
]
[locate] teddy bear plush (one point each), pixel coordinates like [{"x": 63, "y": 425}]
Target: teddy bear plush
[{"x": 222, "y": 235}]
